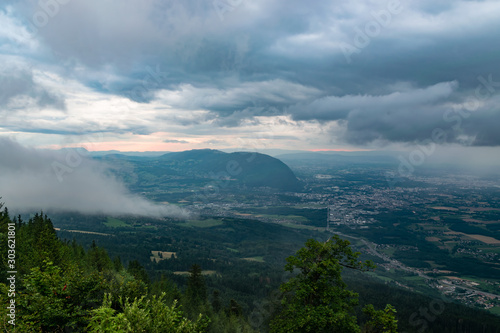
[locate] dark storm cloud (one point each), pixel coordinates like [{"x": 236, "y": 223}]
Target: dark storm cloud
[
  {"x": 32, "y": 179},
  {"x": 266, "y": 58},
  {"x": 399, "y": 116},
  {"x": 482, "y": 124}
]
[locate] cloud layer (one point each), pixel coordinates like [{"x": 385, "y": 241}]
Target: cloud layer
[
  {"x": 65, "y": 181},
  {"x": 171, "y": 74}
]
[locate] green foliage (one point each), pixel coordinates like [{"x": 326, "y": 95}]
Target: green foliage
[
  {"x": 219, "y": 248},
  {"x": 167, "y": 286},
  {"x": 4, "y": 221},
  {"x": 37, "y": 242},
  {"x": 98, "y": 259},
  {"x": 124, "y": 285},
  {"x": 216, "y": 303},
  {"x": 138, "y": 272},
  {"x": 117, "y": 264},
  {"x": 196, "y": 292},
  {"x": 382, "y": 321},
  {"x": 234, "y": 308},
  {"x": 144, "y": 315},
  {"x": 317, "y": 300},
  {"x": 224, "y": 323},
  {"x": 53, "y": 299}
]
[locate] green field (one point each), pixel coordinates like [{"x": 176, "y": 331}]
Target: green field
[
  {"x": 188, "y": 273},
  {"x": 258, "y": 259},
  {"x": 116, "y": 223},
  {"x": 201, "y": 223},
  {"x": 495, "y": 310},
  {"x": 298, "y": 226},
  {"x": 288, "y": 217},
  {"x": 379, "y": 276}
]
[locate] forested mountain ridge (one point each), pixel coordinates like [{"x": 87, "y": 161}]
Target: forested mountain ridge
[{"x": 237, "y": 169}]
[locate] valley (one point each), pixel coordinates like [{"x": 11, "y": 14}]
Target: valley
[{"x": 433, "y": 235}]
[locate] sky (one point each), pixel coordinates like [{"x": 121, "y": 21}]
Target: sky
[{"x": 161, "y": 75}]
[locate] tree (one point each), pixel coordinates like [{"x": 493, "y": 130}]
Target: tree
[
  {"x": 38, "y": 242},
  {"x": 4, "y": 218},
  {"x": 144, "y": 315},
  {"x": 98, "y": 258},
  {"x": 216, "y": 303},
  {"x": 234, "y": 308},
  {"x": 382, "y": 321},
  {"x": 196, "y": 291},
  {"x": 166, "y": 286},
  {"x": 53, "y": 299},
  {"x": 117, "y": 264},
  {"x": 317, "y": 300},
  {"x": 4, "y": 226},
  {"x": 139, "y": 273}
]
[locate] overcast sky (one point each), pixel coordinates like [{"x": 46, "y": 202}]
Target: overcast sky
[{"x": 175, "y": 75}]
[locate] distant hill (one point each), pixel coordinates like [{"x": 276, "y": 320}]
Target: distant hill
[
  {"x": 249, "y": 169},
  {"x": 128, "y": 153}
]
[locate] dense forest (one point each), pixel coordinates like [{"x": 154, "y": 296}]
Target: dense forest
[{"x": 64, "y": 286}]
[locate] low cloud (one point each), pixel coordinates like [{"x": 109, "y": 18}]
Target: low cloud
[
  {"x": 65, "y": 181},
  {"x": 175, "y": 141}
]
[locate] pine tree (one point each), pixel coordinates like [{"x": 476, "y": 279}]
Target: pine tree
[
  {"x": 196, "y": 292},
  {"x": 216, "y": 303},
  {"x": 98, "y": 258},
  {"x": 117, "y": 264},
  {"x": 234, "y": 308},
  {"x": 135, "y": 268}
]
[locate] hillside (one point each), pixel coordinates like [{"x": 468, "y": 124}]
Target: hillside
[
  {"x": 250, "y": 168},
  {"x": 240, "y": 169}
]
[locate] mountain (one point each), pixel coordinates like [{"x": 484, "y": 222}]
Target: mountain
[
  {"x": 128, "y": 153},
  {"x": 249, "y": 169}
]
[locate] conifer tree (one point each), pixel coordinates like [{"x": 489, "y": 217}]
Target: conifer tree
[
  {"x": 196, "y": 292},
  {"x": 135, "y": 268}
]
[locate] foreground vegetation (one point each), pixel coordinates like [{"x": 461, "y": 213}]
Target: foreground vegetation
[{"x": 61, "y": 287}]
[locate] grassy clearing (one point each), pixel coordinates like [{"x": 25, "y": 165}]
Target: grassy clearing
[
  {"x": 490, "y": 249},
  {"x": 495, "y": 310},
  {"x": 86, "y": 232},
  {"x": 203, "y": 272},
  {"x": 434, "y": 265},
  {"x": 158, "y": 256},
  {"x": 378, "y": 276},
  {"x": 299, "y": 226},
  {"x": 201, "y": 223},
  {"x": 116, "y": 223},
  {"x": 258, "y": 259},
  {"x": 296, "y": 218},
  {"x": 453, "y": 209},
  {"x": 389, "y": 251}
]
